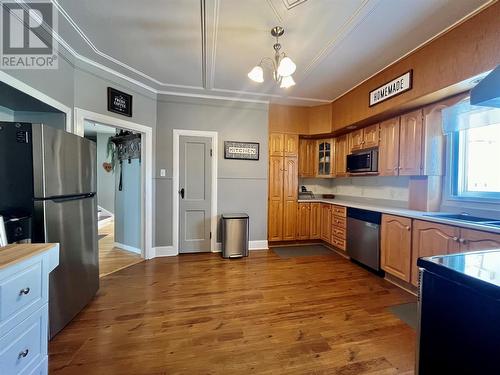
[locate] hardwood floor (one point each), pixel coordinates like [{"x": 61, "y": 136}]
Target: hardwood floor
[
  {"x": 112, "y": 259},
  {"x": 199, "y": 314}
]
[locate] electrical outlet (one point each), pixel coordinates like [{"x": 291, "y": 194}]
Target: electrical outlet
[{"x": 163, "y": 172}]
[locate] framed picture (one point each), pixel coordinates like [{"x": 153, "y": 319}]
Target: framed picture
[
  {"x": 119, "y": 102},
  {"x": 241, "y": 150}
]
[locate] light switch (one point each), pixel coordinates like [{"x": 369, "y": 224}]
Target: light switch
[{"x": 163, "y": 172}]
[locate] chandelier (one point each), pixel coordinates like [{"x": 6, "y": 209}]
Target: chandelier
[{"x": 282, "y": 66}]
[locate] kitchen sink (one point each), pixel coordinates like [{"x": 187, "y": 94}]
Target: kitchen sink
[{"x": 465, "y": 217}]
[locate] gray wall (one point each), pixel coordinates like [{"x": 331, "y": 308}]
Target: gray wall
[
  {"x": 105, "y": 180},
  {"x": 128, "y": 205},
  {"x": 242, "y": 185}
]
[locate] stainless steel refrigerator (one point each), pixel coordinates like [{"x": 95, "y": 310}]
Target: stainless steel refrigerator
[{"x": 60, "y": 169}]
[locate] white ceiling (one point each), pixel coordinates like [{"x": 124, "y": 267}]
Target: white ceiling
[{"x": 207, "y": 47}]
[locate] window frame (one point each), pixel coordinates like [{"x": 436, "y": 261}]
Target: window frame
[{"x": 455, "y": 176}]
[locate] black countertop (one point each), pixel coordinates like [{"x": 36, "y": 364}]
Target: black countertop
[{"x": 477, "y": 270}]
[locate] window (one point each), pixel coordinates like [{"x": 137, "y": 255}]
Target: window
[{"x": 476, "y": 159}]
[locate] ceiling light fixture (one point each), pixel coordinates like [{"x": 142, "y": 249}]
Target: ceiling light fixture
[{"x": 282, "y": 66}]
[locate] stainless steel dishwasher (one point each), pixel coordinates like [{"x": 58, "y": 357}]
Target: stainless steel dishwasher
[{"x": 363, "y": 237}]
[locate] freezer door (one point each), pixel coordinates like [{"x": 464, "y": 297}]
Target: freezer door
[
  {"x": 63, "y": 163},
  {"x": 72, "y": 223}
]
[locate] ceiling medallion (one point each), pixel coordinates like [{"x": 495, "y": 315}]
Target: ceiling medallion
[{"x": 282, "y": 66}]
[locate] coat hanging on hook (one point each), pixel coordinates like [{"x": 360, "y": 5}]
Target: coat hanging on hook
[{"x": 124, "y": 146}]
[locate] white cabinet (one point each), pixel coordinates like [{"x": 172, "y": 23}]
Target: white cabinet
[{"x": 24, "y": 297}]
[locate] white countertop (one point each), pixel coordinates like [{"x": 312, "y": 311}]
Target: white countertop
[{"x": 421, "y": 215}]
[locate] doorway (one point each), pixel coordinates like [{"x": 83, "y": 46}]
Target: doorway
[
  {"x": 139, "y": 177},
  {"x": 118, "y": 198},
  {"x": 194, "y": 191}
]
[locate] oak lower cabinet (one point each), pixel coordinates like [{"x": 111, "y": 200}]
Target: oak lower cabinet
[
  {"x": 289, "y": 220},
  {"x": 339, "y": 227},
  {"x": 429, "y": 239},
  {"x": 275, "y": 222},
  {"x": 395, "y": 246},
  {"x": 315, "y": 221},
  {"x": 475, "y": 240},
  {"x": 326, "y": 222},
  {"x": 304, "y": 221}
]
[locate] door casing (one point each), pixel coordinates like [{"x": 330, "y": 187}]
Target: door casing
[{"x": 175, "y": 185}]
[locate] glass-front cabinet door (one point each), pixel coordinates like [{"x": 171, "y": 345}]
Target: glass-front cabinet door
[{"x": 324, "y": 157}]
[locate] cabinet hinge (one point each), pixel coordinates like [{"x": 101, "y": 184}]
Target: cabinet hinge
[
  {"x": 210, "y": 235},
  {"x": 210, "y": 152}
]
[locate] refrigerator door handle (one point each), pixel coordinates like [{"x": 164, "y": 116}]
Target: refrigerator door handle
[{"x": 72, "y": 198}]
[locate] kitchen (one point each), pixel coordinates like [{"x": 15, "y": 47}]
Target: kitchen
[{"x": 359, "y": 161}]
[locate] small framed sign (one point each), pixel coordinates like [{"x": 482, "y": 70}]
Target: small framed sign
[
  {"x": 391, "y": 89},
  {"x": 241, "y": 150},
  {"x": 119, "y": 102}
]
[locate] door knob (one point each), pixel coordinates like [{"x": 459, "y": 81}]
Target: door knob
[{"x": 181, "y": 192}]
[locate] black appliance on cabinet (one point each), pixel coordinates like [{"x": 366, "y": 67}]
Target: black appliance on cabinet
[
  {"x": 49, "y": 176},
  {"x": 363, "y": 162},
  {"x": 459, "y": 314}
]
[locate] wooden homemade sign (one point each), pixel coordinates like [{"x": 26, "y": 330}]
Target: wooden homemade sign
[{"x": 391, "y": 89}]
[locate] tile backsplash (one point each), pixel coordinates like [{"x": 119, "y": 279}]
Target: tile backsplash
[{"x": 387, "y": 188}]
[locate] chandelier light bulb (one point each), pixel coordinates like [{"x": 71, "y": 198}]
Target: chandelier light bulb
[
  {"x": 256, "y": 74},
  {"x": 287, "y": 82},
  {"x": 287, "y": 67}
]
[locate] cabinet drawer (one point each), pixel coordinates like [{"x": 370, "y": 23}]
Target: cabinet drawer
[
  {"x": 339, "y": 243},
  {"x": 21, "y": 291},
  {"x": 339, "y": 233},
  {"x": 25, "y": 347},
  {"x": 339, "y": 211},
  {"x": 339, "y": 222}
]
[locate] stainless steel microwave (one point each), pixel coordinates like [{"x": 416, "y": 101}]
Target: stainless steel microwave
[{"x": 363, "y": 162}]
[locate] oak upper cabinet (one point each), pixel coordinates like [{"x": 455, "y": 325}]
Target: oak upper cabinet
[
  {"x": 355, "y": 140},
  {"x": 315, "y": 221},
  {"x": 275, "y": 221},
  {"x": 289, "y": 220},
  {"x": 290, "y": 180},
  {"x": 395, "y": 246},
  {"x": 341, "y": 146},
  {"x": 431, "y": 239},
  {"x": 474, "y": 240},
  {"x": 307, "y": 153},
  {"x": 371, "y": 135},
  {"x": 364, "y": 138},
  {"x": 388, "y": 152},
  {"x": 276, "y": 170},
  {"x": 410, "y": 144},
  {"x": 276, "y": 144},
  {"x": 291, "y": 145},
  {"x": 325, "y": 158},
  {"x": 326, "y": 222},
  {"x": 320, "y": 119},
  {"x": 304, "y": 221}
]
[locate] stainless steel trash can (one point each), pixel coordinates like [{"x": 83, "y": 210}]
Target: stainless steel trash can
[{"x": 234, "y": 235}]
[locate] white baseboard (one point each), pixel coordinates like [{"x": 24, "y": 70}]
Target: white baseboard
[
  {"x": 252, "y": 245},
  {"x": 101, "y": 223},
  {"x": 128, "y": 248},
  {"x": 168, "y": 251},
  {"x": 164, "y": 251}
]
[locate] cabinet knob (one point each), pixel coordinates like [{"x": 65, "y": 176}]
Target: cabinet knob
[
  {"x": 407, "y": 227},
  {"x": 24, "y": 291},
  {"x": 23, "y": 354},
  {"x": 456, "y": 239},
  {"x": 462, "y": 241}
]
